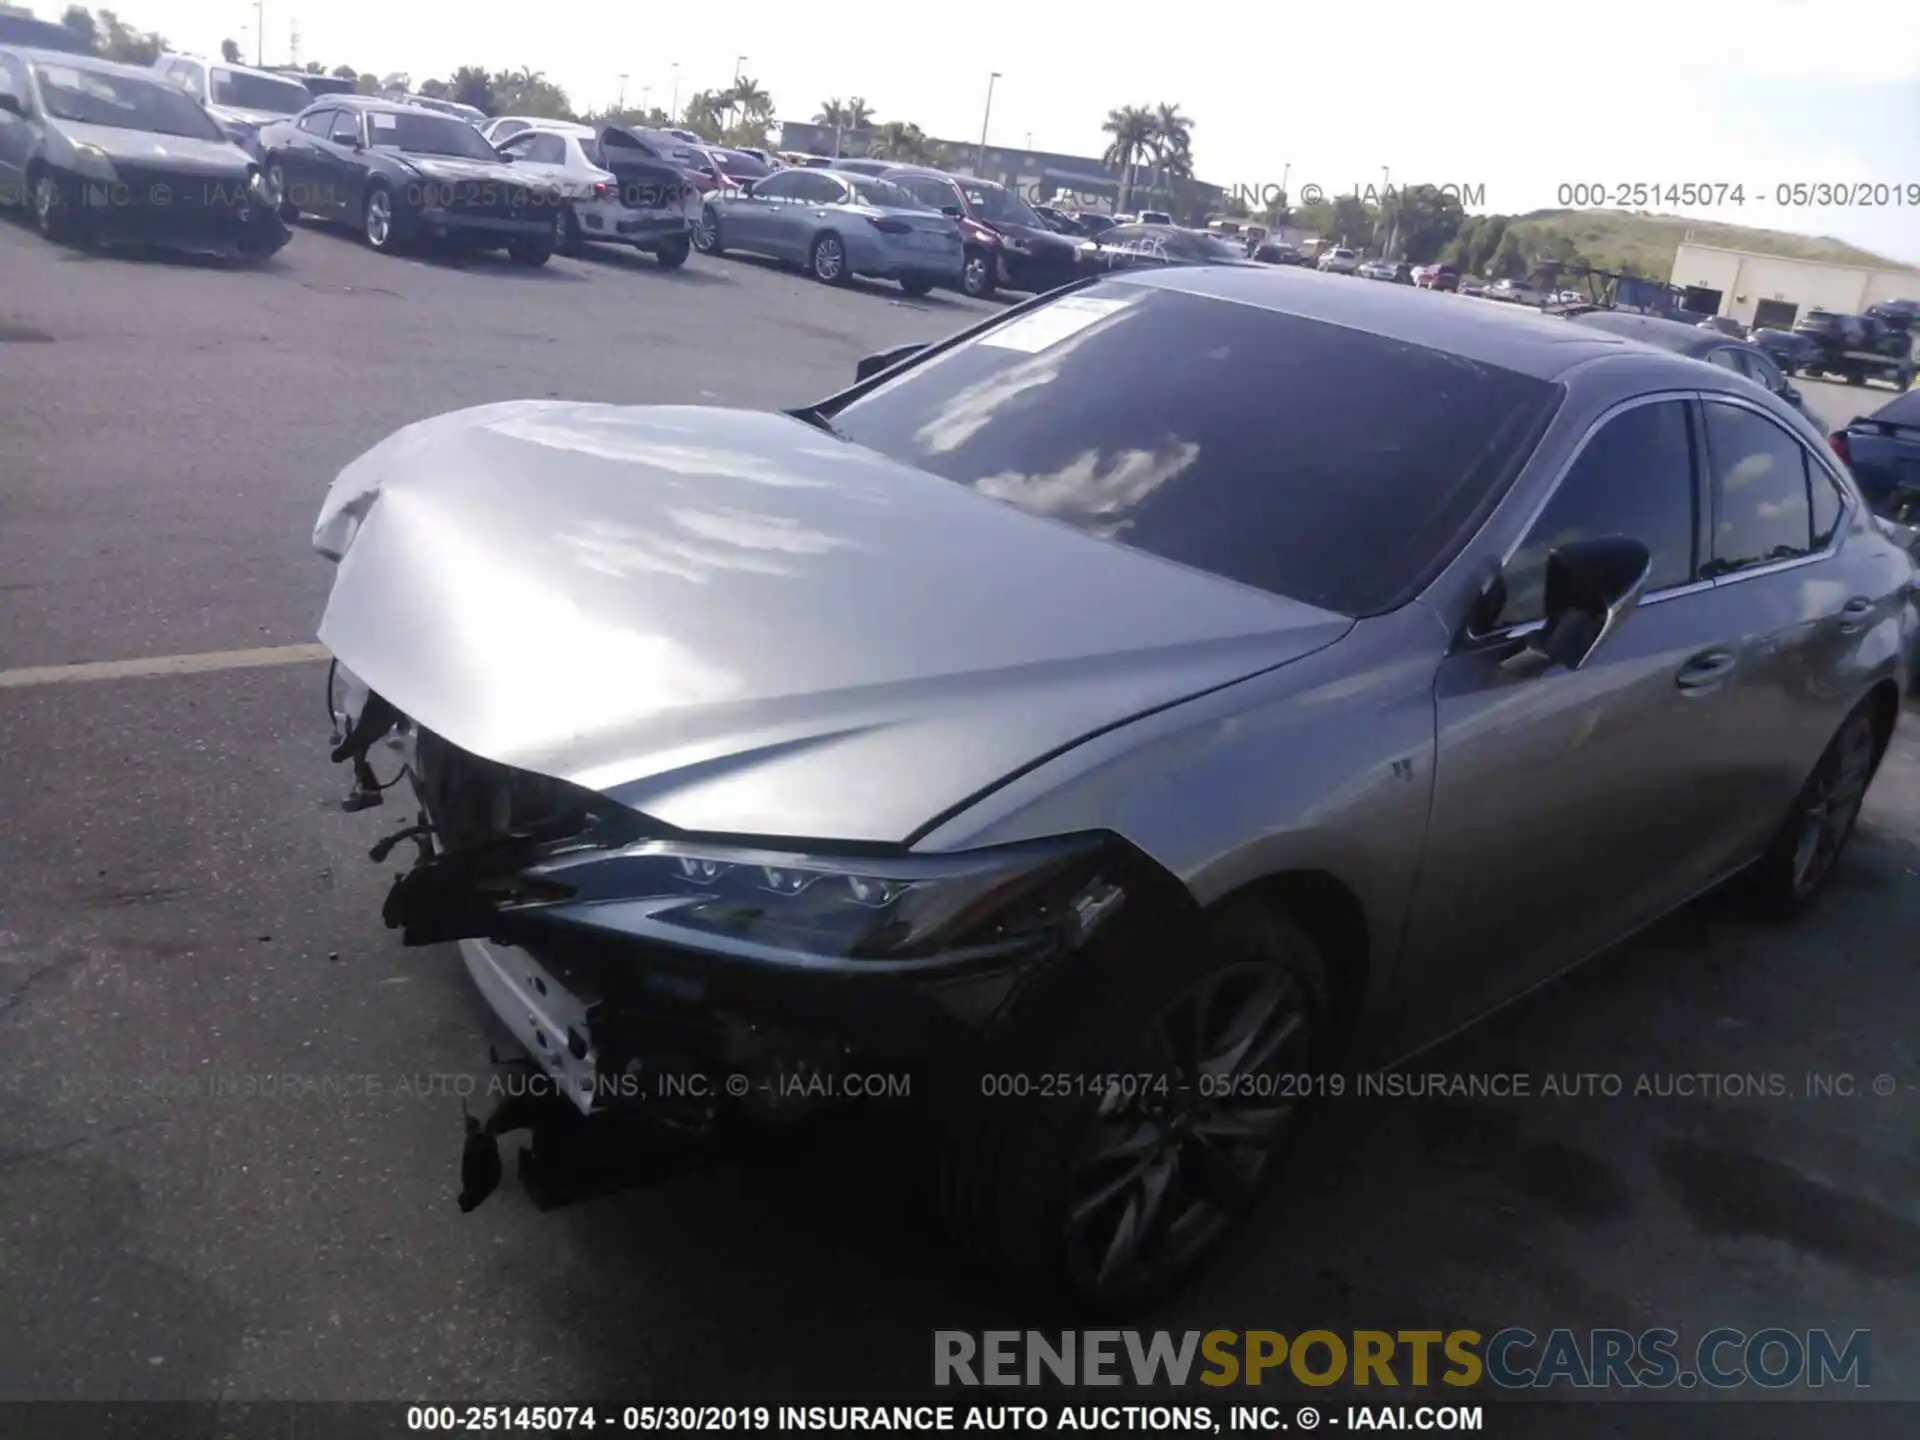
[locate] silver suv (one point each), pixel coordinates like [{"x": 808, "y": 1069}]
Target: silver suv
[{"x": 239, "y": 97}]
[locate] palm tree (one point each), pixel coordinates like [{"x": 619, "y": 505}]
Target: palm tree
[
  {"x": 831, "y": 113},
  {"x": 1172, "y": 143},
  {"x": 859, "y": 114},
  {"x": 1132, "y": 131},
  {"x": 746, "y": 94},
  {"x": 902, "y": 141}
]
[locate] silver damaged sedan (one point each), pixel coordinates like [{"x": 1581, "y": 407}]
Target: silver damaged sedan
[{"x": 1188, "y": 682}]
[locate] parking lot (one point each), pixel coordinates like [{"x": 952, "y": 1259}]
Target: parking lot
[{"x": 184, "y": 903}]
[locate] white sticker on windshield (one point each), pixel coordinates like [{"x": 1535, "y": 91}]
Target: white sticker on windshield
[
  {"x": 383, "y": 121},
  {"x": 1061, "y": 320}
]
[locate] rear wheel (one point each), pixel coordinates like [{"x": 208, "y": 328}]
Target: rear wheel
[
  {"x": 1811, "y": 839},
  {"x": 673, "y": 253},
  {"x": 566, "y": 231},
  {"x": 1119, "y": 1191},
  {"x": 828, "y": 260}
]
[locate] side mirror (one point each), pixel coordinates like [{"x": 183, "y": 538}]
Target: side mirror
[
  {"x": 952, "y": 212},
  {"x": 11, "y": 104},
  {"x": 884, "y": 360},
  {"x": 745, "y": 187},
  {"x": 1592, "y": 586}
]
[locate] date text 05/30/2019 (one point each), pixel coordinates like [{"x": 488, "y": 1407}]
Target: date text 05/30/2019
[{"x": 1788, "y": 194}]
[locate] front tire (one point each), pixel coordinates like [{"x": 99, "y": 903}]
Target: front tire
[
  {"x": 977, "y": 280},
  {"x": 566, "y": 232},
  {"x": 917, "y": 285},
  {"x": 1105, "y": 1200},
  {"x": 53, "y": 209},
  {"x": 672, "y": 254},
  {"x": 1810, "y": 840},
  {"x": 380, "y": 220},
  {"x": 706, "y": 234},
  {"x": 533, "y": 251},
  {"x": 276, "y": 178},
  {"x": 828, "y": 260}
]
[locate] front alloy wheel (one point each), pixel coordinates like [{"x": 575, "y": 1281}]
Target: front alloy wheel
[
  {"x": 830, "y": 261},
  {"x": 51, "y": 211},
  {"x": 977, "y": 279},
  {"x": 1832, "y": 804},
  {"x": 1158, "y": 1176},
  {"x": 706, "y": 232},
  {"x": 379, "y": 222}
]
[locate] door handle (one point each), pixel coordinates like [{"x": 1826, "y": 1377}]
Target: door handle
[
  {"x": 1854, "y": 614},
  {"x": 1706, "y": 671}
]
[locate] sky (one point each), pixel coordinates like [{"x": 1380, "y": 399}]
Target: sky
[{"x": 1516, "y": 96}]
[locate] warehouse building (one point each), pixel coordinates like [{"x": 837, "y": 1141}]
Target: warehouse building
[{"x": 1772, "y": 291}]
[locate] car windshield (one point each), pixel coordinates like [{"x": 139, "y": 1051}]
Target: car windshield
[
  {"x": 740, "y": 165},
  {"x": 1308, "y": 459},
  {"x": 869, "y": 191},
  {"x": 426, "y": 132},
  {"x": 246, "y": 91},
  {"x": 1002, "y": 207},
  {"x": 124, "y": 102}
]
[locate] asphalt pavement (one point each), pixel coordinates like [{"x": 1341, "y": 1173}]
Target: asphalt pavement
[{"x": 229, "y": 1100}]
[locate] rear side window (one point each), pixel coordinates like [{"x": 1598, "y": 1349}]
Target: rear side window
[
  {"x": 1311, "y": 460},
  {"x": 318, "y": 122},
  {"x": 1762, "y": 512},
  {"x": 1634, "y": 478}
]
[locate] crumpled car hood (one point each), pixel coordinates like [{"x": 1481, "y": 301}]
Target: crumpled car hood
[
  {"x": 738, "y": 624},
  {"x": 176, "y": 152}
]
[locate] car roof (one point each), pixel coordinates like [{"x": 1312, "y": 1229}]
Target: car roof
[
  {"x": 91, "y": 63},
  {"x": 169, "y": 55},
  {"x": 1519, "y": 340},
  {"x": 931, "y": 173},
  {"x": 1672, "y": 335}
]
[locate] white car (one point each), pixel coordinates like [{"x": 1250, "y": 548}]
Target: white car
[
  {"x": 611, "y": 190},
  {"x": 1379, "y": 270},
  {"x": 1155, "y": 217},
  {"x": 1340, "y": 261},
  {"x": 1517, "y": 292},
  {"x": 504, "y": 127}
]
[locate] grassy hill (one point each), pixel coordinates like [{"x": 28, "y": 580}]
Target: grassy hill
[{"x": 1645, "y": 243}]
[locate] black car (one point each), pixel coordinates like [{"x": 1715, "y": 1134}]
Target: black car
[
  {"x": 1127, "y": 247},
  {"x": 1008, "y": 244},
  {"x": 106, "y": 154},
  {"x": 1699, "y": 343},
  {"x": 1785, "y": 348},
  {"x": 402, "y": 174},
  {"x": 1883, "y": 450}
]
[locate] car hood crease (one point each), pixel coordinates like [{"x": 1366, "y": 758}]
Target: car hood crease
[{"x": 739, "y": 624}]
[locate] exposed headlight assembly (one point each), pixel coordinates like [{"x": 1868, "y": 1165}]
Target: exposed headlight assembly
[
  {"x": 93, "y": 162},
  {"x": 816, "y": 911}
]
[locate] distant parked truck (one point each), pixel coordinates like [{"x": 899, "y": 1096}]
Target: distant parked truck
[{"x": 1859, "y": 348}]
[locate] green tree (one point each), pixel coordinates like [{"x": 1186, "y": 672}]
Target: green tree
[
  {"x": 120, "y": 41},
  {"x": 1487, "y": 240},
  {"x": 1171, "y": 145},
  {"x": 436, "y": 89},
  {"x": 77, "y": 19},
  {"x": 472, "y": 85},
  {"x": 1510, "y": 260},
  {"x": 1351, "y": 222},
  {"x": 230, "y": 51},
  {"x": 1425, "y": 221},
  {"x": 903, "y": 141},
  {"x": 528, "y": 92},
  {"x": 704, "y": 115},
  {"x": 339, "y": 72},
  {"x": 1131, "y": 134}
]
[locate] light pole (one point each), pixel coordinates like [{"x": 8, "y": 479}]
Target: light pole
[
  {"x": 621, "y": 103},
  {"x": 259, "y": 34},
  {"x": 645, "y": 92},
  {"x": 1386, "y": 191},
  {"x": 1286, "y": 195},
  {"x": 984, "y": 119},
  {"x": 673, "y": 115}
]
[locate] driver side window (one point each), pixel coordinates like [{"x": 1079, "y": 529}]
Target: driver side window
[
  {"x": 346, "y": 128},
  {"x": 1635, "y": 477}
]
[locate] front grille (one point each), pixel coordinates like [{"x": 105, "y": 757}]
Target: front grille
[{"x": 172, "y": 193}]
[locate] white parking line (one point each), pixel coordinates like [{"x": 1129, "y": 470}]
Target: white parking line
[{"x": 158, "y": 666}]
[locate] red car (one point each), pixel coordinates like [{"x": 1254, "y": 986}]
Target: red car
[{"x": 1437, "y": 277}]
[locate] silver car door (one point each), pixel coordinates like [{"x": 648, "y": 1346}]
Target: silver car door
[
  {"x": 17, "y": 132},
  {"x": 1805, "y": 607},
  {"x": 1570, "y": 807}
]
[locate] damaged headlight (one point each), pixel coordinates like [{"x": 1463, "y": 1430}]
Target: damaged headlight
[{"x": 809, "y": 908}]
